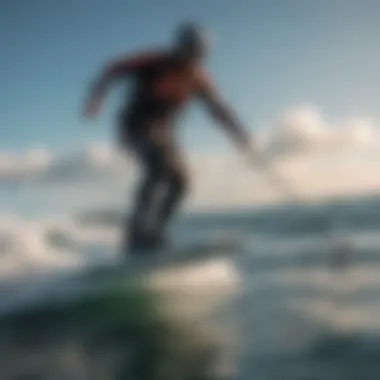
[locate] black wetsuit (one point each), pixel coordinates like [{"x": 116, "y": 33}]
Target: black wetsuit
[
  {"x": 162, "y": 86},
  {"x": 163, "y": 82}
]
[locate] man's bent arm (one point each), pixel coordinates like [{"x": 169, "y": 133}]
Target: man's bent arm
[{"x": 115, "y": 69}]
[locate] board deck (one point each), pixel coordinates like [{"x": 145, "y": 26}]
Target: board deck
[
  {"x": 185, "y": 253},
  {"x": 179, "y": 256}
]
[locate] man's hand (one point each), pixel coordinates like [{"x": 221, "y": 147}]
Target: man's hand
[
  {"x": 258, "y": 158},
  {"x": 252, "y": 152},
  {"x": 92, "y": 107},
  {"x": 95, "y": 98},
  {"x": 97, "y": 93}
]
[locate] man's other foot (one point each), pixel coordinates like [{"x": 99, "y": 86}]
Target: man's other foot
[
  {"x": 159, "y": 241},
  {"x": 147, "y": 244}
]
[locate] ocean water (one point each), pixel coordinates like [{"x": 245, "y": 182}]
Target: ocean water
[{"x": 308, "y": 304}]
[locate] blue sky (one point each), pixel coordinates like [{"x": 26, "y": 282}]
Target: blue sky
[{"x": 268, "y": 55}]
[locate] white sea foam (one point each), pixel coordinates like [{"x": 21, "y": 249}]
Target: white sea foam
[{"x": 38, "y": 245}]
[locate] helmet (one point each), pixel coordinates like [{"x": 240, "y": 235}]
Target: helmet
[{"x": 191, "y": 39}]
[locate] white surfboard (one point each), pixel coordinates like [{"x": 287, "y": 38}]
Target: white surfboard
[{"x": 185, "y": 253}]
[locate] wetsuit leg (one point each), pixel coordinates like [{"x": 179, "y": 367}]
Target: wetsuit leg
[
  {"x": 144, "y": 200},
  {"x": 138, "y": 226},
  {"x": 176, "y": 182},
  {"x": 163, "y": 167}
]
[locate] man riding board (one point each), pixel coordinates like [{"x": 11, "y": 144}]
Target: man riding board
[{"x": 164, "y": 82}]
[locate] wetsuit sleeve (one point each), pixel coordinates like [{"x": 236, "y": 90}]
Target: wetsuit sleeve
[
  {"x": 126, "y": 65},
  {"x": 210, "y": 96},
  {"x": 113, "y": 70},
  {"x": 122, "y": 67}
]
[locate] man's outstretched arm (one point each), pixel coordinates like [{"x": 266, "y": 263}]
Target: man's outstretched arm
[
  {"x": 112, "y": 71},
  {"x": 209, "y": 94}
]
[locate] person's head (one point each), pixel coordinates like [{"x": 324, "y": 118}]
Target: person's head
[{"x": 191, "y": 41}]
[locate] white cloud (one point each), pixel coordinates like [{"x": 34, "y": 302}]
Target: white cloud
[
  {"x": 96, "y": 162},
  {"x": 305, "y": 129},
  {"x": 23, "y": 247},
  {"x": 13, "y": 166},
  {"x": 93, "y": 163}
]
